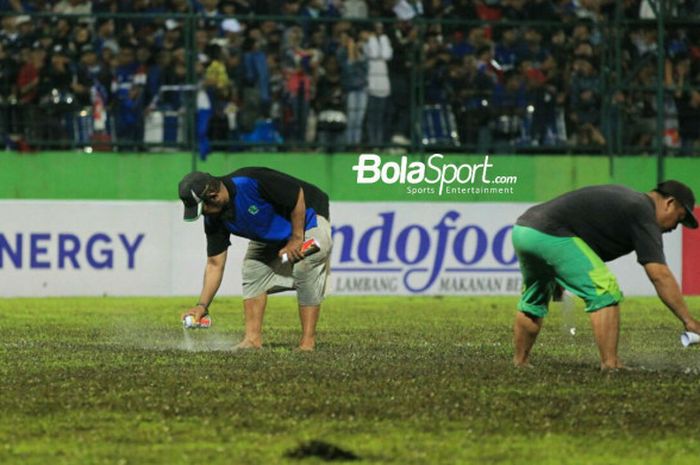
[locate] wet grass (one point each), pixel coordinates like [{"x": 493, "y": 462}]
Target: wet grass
[{"x": 395, "y": 380}]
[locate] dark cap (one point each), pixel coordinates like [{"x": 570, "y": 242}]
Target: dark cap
[
  {"x": 685, "y": 196},
  {"x": 192, "y": 190}
]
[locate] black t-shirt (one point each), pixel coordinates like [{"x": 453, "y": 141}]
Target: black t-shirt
[
  {"x": 281, "y": 190},
  {"x": 278, "y": 189},
  {"x": 54, "y": 78},
  {"x": 612, "y": 220}
]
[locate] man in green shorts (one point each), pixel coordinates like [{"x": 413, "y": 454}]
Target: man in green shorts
[{"x": 566, "y": 241}]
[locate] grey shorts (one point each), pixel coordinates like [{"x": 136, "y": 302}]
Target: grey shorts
[{"x": 264, "y": 272}]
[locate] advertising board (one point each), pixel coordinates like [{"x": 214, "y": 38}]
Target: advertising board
[{"x": 59, "y": 248}]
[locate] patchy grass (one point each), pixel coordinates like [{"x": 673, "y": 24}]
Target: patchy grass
[{"x": 394, "y": 380}]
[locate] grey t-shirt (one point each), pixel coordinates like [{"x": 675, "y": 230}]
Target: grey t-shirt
[{"x": 612, "y": 220}]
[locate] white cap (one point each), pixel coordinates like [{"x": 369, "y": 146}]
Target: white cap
[
  {"x": 171, "y": 24},
  {"x": 231, "y": 25},
  {"x": 22, "y": 19},
  {"x": 404, "y": 11},
  {"x": 220, "y": 41}
]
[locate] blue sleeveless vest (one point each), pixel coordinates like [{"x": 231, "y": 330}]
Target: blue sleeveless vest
[{"x": 256, "y": 218}]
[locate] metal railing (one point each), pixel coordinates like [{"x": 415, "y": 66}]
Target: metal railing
[{"x": 276, "y": 83}]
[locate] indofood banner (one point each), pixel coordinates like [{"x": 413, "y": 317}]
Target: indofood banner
[
  {"x": 424, "y": 248},
  {"x": 58, "y": 248}
]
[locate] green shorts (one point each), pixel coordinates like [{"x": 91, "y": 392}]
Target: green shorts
[
  {"x": 546, "y": 261},
  {"x": 264, "y": 272}
]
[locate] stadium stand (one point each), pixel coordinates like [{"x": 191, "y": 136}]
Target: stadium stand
[{"x": 504, "y": 76}]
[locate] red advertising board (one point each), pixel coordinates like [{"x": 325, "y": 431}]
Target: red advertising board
[{"x": 691, "y": 259}]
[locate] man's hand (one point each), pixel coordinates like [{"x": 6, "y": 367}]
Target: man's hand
[
  {"x": 196, "y": 312},
  {"x": 693, "y": 325},
  {"x": 670, "y": 293},
  {"x": 296, "y": 239},
  {"x": 293, "y": 250}
]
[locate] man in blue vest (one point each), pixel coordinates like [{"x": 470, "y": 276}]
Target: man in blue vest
[{"x": 278, "y": 213}]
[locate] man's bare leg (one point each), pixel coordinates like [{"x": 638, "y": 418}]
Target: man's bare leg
[
  {"x": 254, "y": 310},
  {"x": 525, "y": 332},
  {"x": 606, "y": 328},
  {"x": 308, "y": 314}
]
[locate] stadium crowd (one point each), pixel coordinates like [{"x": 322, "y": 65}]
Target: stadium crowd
[{"x": 326, "y": 73}]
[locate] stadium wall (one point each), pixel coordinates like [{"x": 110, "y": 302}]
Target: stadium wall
[{"x": 98, "y": 224}]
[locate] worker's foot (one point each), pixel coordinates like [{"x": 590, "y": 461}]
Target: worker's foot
[
  {"x": 247, "y": 344},
  {"x": 522, "y": 365},
  {"x": 611, "y": 365},
  {"x": 307, "y": 345}
]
